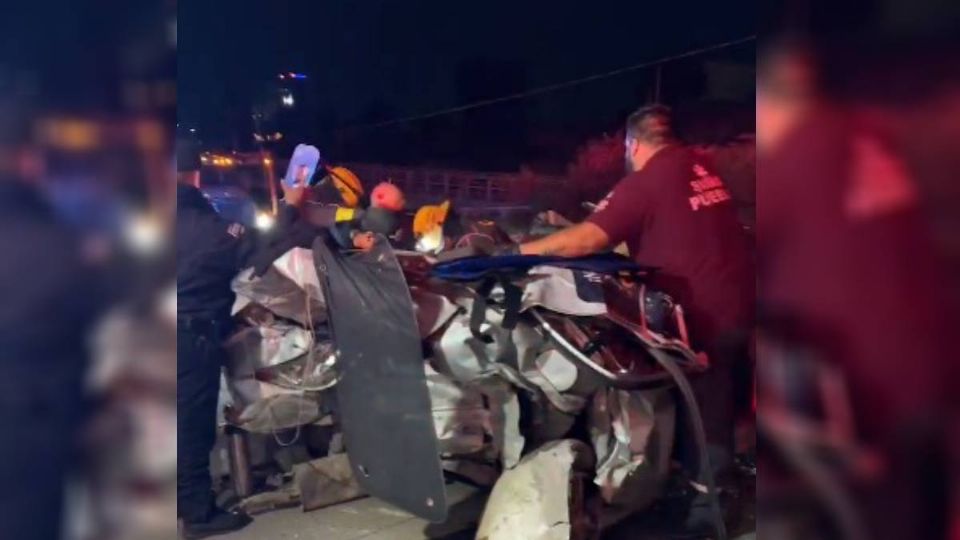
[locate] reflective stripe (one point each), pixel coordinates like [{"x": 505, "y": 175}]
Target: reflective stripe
[{"x": 344, "y": 214}]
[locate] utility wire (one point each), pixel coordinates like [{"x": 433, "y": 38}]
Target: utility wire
[{"x": 550, "y": 88}]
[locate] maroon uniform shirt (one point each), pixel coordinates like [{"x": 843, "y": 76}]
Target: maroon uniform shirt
[
  {"x": 845, "y": 251},
  {"x": 675, "y": 214},
  {"x": 843, "y": 247}
]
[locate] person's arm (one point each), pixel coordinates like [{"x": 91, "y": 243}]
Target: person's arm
[
  {"x": 254, "y": 244},
  {"x": 582, "y": 239},
  {"x": 287, "y": 216},
  {"x": 330, "y": 216},
  {"x": 621, "y": 217}
]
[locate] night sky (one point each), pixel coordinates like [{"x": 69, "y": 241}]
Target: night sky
[
  {"x": 373, "y": 60},
  {"x": 68, "y": 56}
]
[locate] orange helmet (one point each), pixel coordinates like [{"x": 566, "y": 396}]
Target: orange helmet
[
  {"x": 347, "y": 184},
  {"x": 428, "y": 227}
]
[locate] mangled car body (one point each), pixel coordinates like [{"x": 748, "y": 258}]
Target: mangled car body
[{"x": 510, "y": 371}]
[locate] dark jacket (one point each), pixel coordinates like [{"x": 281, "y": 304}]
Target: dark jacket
[
  {"x": 49, "y": 297},
  {"x": 49, "y": 306},
  {"x": 210, "y": 253}
]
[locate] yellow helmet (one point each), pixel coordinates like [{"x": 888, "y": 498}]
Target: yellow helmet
[
  {"x": 428, "y": 226},
  {"x": 430, "y": 216},
  {"x": 347, "y": 184}
]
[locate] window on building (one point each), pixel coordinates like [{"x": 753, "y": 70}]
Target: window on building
[
  {"x": 437, "y": 185},
  {"x": 478, "y": 189},
  {"x": 417, "y": 183},
  {"x": 455, "y": 188},
  {"x": 498, "y": 191}
]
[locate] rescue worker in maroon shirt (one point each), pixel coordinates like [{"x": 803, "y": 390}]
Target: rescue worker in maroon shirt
[
  {"x": 858, "y": 284},
  {"x": 675, "y": 214}
]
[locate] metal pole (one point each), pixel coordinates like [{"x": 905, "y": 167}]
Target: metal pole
[{"x": 239, "y": 462}]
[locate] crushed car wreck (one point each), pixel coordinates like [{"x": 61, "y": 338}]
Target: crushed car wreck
[{"x": 501, "y": 370}]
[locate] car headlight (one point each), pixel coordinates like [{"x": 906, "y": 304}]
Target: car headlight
[{"x": 264, "y": 221}]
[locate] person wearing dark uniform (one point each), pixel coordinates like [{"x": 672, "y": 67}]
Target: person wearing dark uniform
[
  {"x": 51, "y": 302},
  {"x": 210, "y": 253},
  {"x": 675, "y": 214}
]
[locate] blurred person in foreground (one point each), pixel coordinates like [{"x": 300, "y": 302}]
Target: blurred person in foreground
[
  {"x": 49, "y": 306},
  {"x": 210, "y": 253},
  {"x": 130, "y": 442},
  {"x": 848, "y": 276},
  {"x": 675, "y": 214}
]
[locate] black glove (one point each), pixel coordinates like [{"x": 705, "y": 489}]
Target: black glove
[{"x": 378, "y": 220}]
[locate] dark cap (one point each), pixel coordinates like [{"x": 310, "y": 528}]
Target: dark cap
[{"x": 188, "y": 156}]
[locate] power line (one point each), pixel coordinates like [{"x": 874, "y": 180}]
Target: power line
[{"x": 551, "y": 87}]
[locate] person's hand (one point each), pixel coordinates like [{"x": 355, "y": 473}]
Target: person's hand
[
  {"x": 294, "y": 195},
  {"x": 363, "y": 241}
]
